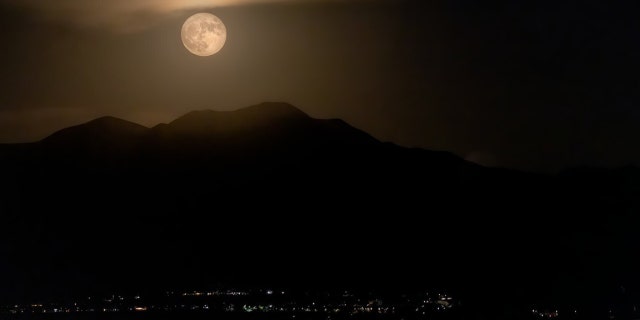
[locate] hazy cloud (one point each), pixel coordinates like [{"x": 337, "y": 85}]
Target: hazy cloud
[{"x": 123, "y": 15}]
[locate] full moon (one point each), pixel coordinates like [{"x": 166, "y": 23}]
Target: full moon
[{"x": 204, "y": 34}]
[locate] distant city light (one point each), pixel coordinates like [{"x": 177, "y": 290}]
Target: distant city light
[{"x": 245, "y": 301}]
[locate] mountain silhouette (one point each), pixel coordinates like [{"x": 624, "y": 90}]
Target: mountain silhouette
[
  {"x": 263, "y": 115},
  {"x": 267, "y": 127},
  {"x": 105, "y": 129},
  {"x": 267, "y": 194}
]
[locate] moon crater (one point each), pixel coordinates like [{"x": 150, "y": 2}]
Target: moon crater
[{"x": 204, "y": 34}]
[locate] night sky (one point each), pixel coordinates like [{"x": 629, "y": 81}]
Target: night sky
[{"x": 529, "y": 84}]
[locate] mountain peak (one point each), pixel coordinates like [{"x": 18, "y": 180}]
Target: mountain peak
[
  {"x": 276, "y": 109},
  {"x": 107, "y": 120},
  {"x": 253, "y": 117},
  {"x": 271, "y": 110},
  {"x": 103, "y": 128}
]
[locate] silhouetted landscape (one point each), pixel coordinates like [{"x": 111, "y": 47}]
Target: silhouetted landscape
[
  {"x": 415, "y": 160},
  {"x": 268, "y": 196}
]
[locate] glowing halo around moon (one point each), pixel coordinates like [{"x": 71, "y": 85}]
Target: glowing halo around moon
[{"x": 204, "y": 34}]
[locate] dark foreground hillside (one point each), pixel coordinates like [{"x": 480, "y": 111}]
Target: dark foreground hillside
[{"x": 268, "y": 195}]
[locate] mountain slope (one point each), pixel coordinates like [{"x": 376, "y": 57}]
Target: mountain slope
[
  {"x": 102, "y": 130},
  {"x": 269, "y": 194},
  {"x": 265, "y": 124}
]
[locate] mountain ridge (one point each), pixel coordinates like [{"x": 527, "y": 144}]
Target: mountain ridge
[{"x": 195, "y": 192}]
